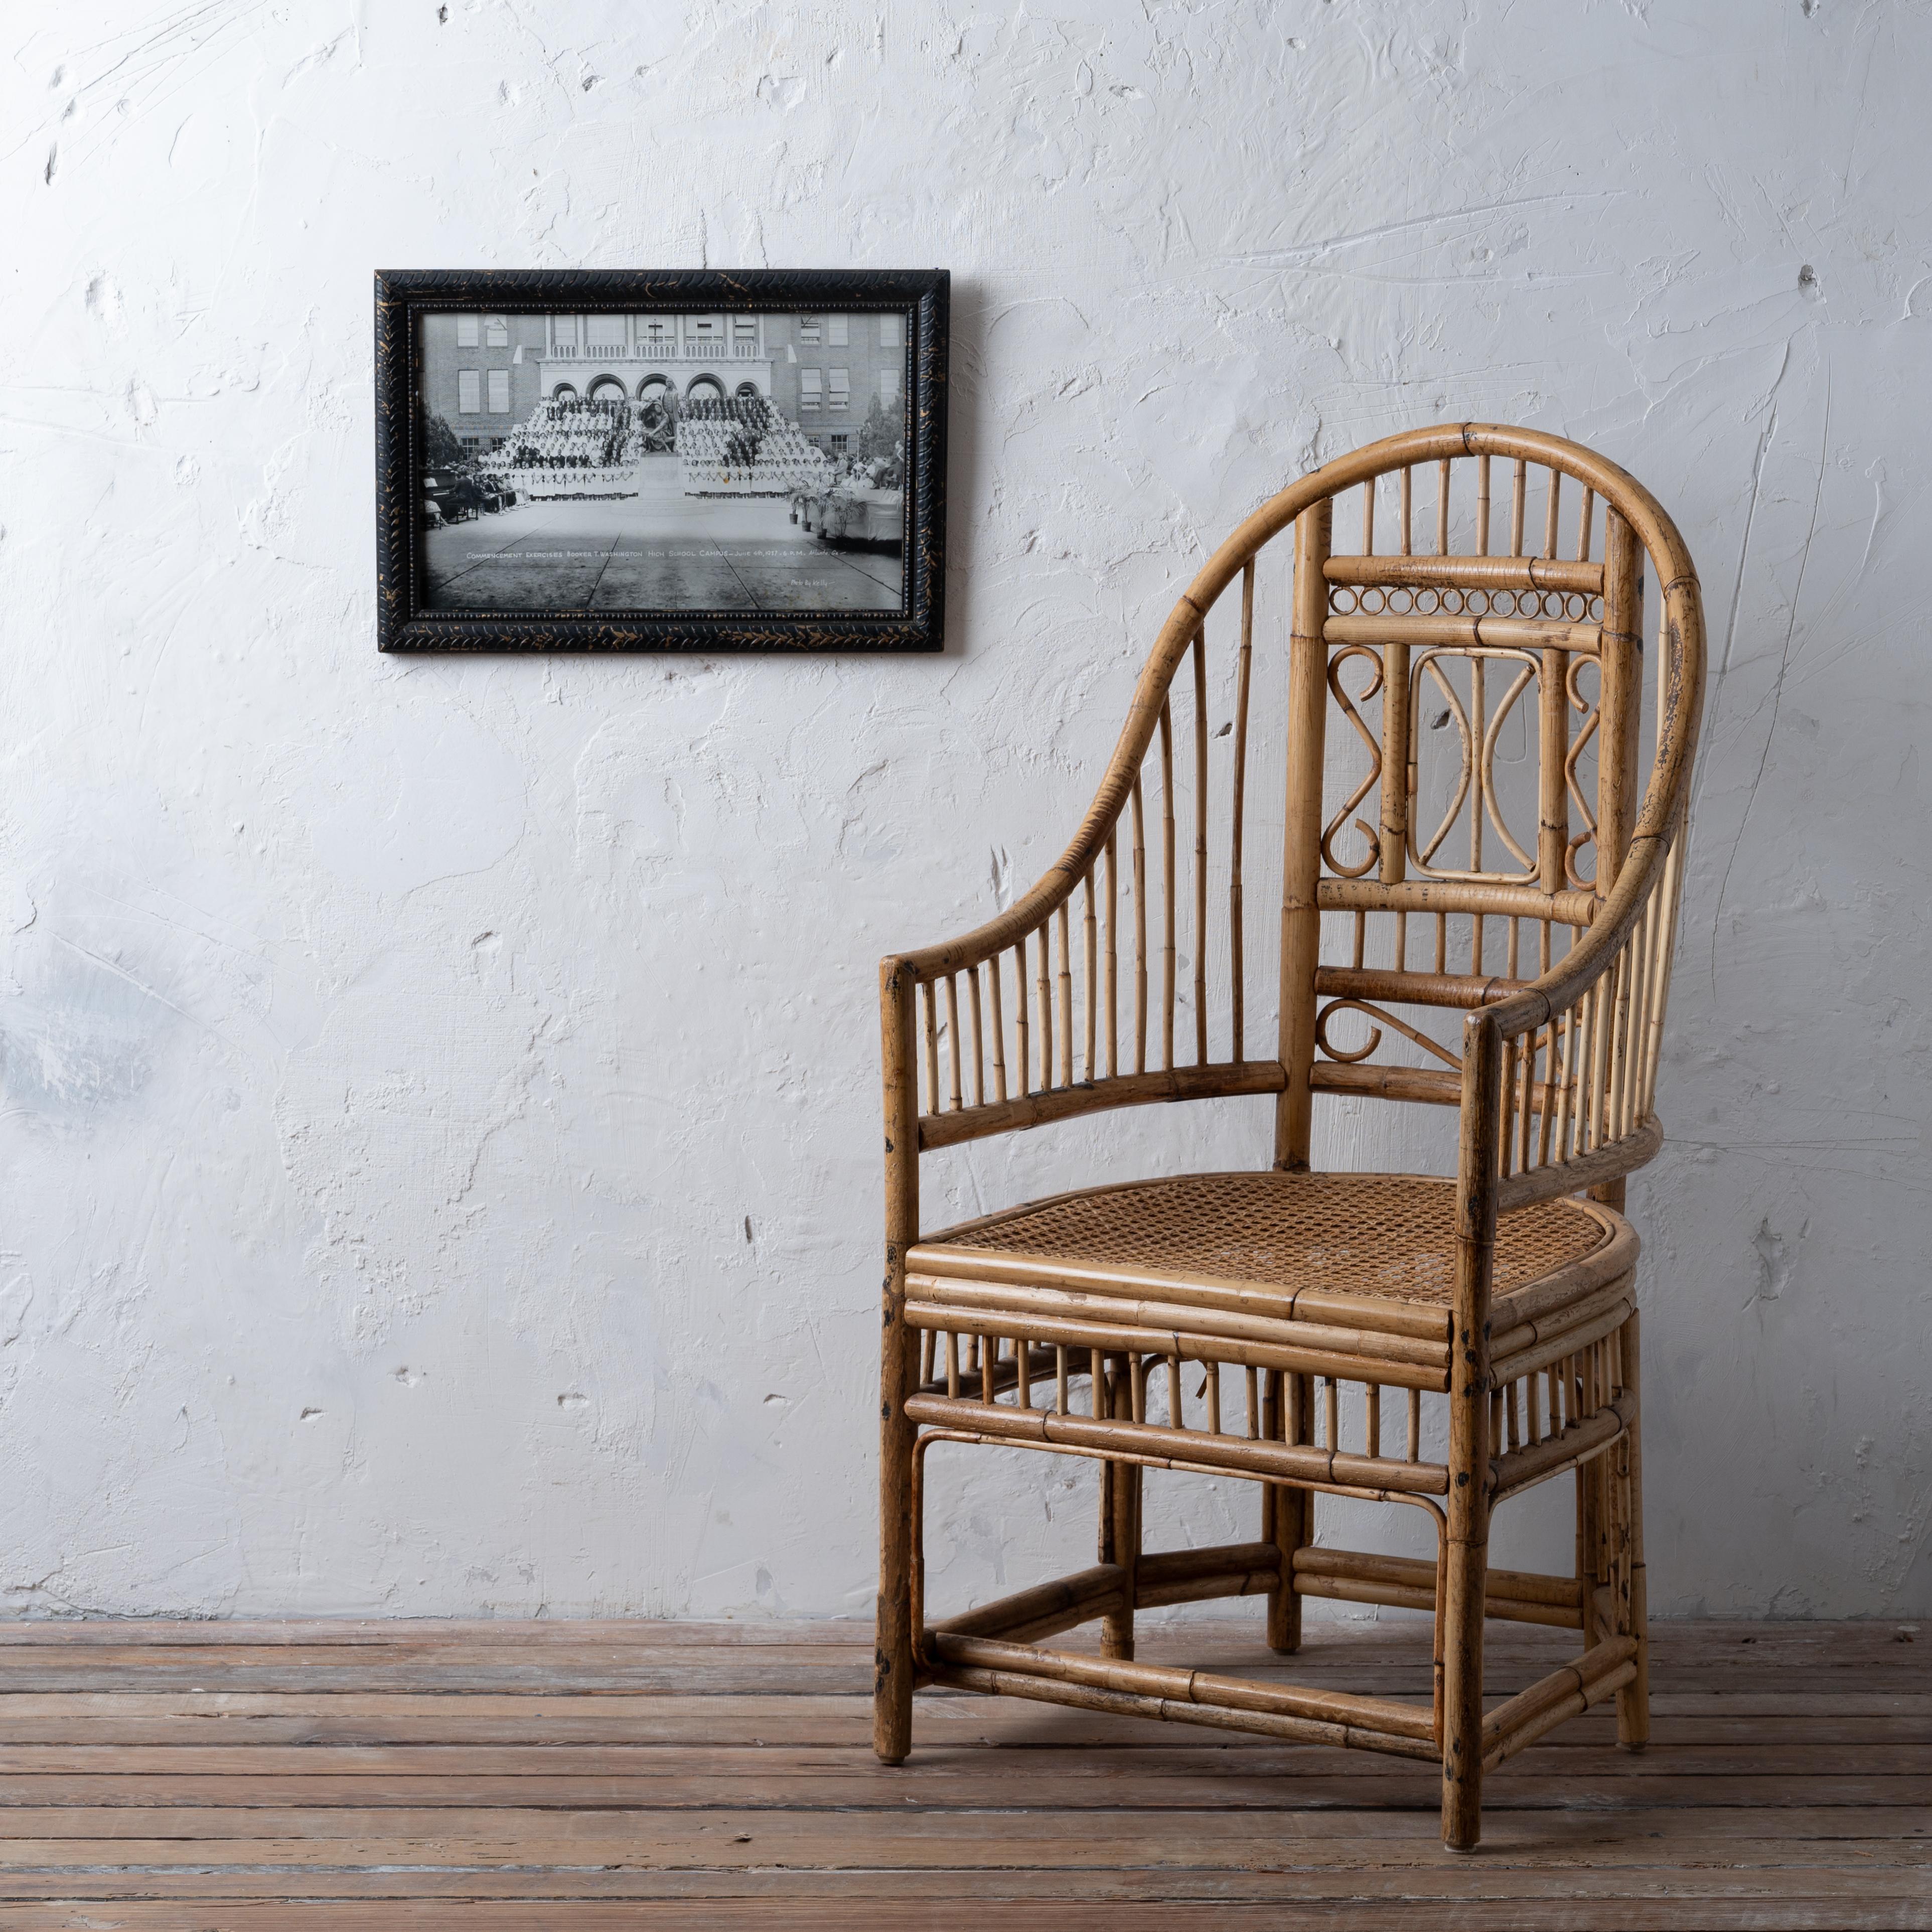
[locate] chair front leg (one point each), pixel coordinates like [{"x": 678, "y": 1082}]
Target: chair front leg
[
  {"x": 893, "y": 1651},
  {"x": 1465, "y": 1545},
  {"x": 898, "y": 1363},
  {"x": 1465, "y": 1549}
]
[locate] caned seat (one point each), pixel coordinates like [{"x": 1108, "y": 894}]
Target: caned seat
[
  {"x": 1319, "y": 1246},
  {"x": 1462, "y": 703}
]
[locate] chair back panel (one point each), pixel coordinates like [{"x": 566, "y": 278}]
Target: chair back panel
[{"x": 1429, "y": 692}]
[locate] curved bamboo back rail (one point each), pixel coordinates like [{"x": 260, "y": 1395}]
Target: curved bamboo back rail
[{"x": 1071, "y": 999}]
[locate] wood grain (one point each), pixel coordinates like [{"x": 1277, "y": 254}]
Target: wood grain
[{"x": 1788, "y": 1784}]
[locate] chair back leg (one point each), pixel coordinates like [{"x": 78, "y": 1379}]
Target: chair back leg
[
  {"x": 1121, "y": 1487},
  {"x": 893, "y": 1651},
  {"x": 1633, "y": 1699},
  {"x": 1288, "y": 1515}
]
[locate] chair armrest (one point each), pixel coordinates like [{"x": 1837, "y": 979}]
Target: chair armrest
[{"x": 1560, "y": 1077}]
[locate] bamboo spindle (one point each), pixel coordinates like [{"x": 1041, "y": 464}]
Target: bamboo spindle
[
  {"x": 1506, "y": 1134},
  {"x": 1167, "y": 954},
  {"x": 1301, "y": 843},
  {"x": 1111, "y": 992},
  {"x": 1480, "y": 791},
  {"x": 1570, "y": 1101},
  {"x": 979, "y": 1041},
  {"x": 1237, "y": 932},
  {"x": 1398, "y": 772},
  {"x": 1043, "y": 1003},
  {"x": 1547, "y": 1108},
  {"x": 1518, "y": 489},
  {"x": 1601, "y": 1015},
  {"x": 1663, "y": 937},
  {"x": 1672, "y": 889},
  {"x": 928, "y": 1007},
  {"x": 999, "y": 1028},
  {"x": 1525, "y": 1115},
  {"x": 1619, "y": 698},
  {"x": 1407, "y": 513},
  {"x": 1553, "y": 813},
  {"x": 1442, "y": 507},
  {"x": 1200, "y": 848},
  {"x": 1022, "y": 1038},
  {"x": 1649, "y": 968},
  {"x": 1549, "y": 522},
  {"x": 1091, "y": 988},
  {"x": 1619, "y": 1053},
  {"x": 955, "y": 1099},
  {"x": 1483, "y": 505},
  {"x": 1140, "y": 930},
  {"x": 1065, "y": 987},
  {"x": 1631, "y": 1027}
]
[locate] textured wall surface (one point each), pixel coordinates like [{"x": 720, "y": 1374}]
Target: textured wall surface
[{"x": 439, "y": 1104}]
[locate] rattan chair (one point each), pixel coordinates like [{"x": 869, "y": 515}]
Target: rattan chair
[{"x": 1442, "y": 1344}]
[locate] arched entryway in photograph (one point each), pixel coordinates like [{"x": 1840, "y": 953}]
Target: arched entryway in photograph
[
  {"x": 657, "y": 414},
  {"x": 746, "y": 392},
  {"x": 562, "y": 391},
  {"x": 607, "y": 388},
  {"x": 705, "y": 389}
]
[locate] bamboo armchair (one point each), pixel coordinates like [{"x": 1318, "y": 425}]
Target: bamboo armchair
[{"x": 1498, "y": 1310}]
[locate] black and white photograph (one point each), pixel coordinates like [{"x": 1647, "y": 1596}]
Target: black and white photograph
[{"x": 696, "y": 468}]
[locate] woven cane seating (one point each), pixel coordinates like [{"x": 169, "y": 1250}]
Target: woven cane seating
[
  {"x": 1449, "y": 925},
  {"x": 1330, "y": 1240}
]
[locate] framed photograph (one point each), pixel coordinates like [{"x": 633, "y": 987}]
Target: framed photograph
[{"x": 581, "y": 460}]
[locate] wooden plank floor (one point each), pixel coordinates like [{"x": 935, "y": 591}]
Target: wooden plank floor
[{"x": 572, "y": 1776}]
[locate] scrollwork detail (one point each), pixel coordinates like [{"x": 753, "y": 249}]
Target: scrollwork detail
[
  {"x": 1375, "y": 772},
  {"x": 1350, "y": 1056}
]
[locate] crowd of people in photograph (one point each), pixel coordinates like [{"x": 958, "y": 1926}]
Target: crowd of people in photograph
[
  {"x": 590, "y": 447},
  {"x": 570, "y": 433},
  {"x": 745, "y": 438}
]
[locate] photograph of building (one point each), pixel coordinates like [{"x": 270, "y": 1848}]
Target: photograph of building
[{"x": 660, "y": 462}]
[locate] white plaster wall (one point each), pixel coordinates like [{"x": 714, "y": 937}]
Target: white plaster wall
[{"x": 439, "y": 1120}]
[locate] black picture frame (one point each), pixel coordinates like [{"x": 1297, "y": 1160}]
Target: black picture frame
[{"x": 407, "y": 620}]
